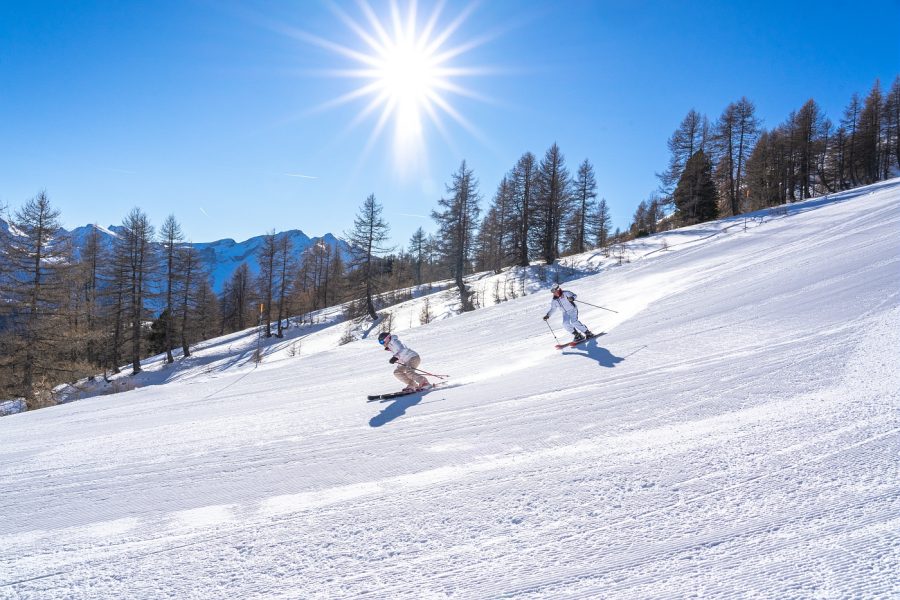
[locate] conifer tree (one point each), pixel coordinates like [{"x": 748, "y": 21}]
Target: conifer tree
[
  {"x": 171, "y": 238},
  {"x": 284, "y": 266},
  {"x": 266, "y": 280},
  {"x": 553, "y": 200},
  {"x": 367, "y": 242},
  {"x": 457, "y": 220},
  {"x": 37, "y": 270},
  {"x": 135, "y": 244},
  {"x": 736, "y": 132},
  {"x": 523, "y": 181},
  {"x": 692, "y": 135},
  {"x": 417, "y": 252},
  {"x": 584, "y": 191},
  {"x": 696, "y": 199},
  {"x": 601, "y": 224}
]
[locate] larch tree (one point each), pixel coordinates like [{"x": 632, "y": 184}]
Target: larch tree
[
  {"x": 38, "y": 264},
  {"x": 692, "y": 134},
  {"x": 553, "y": 202},
  {"x": 584, "y": 191},
  {"x": 266, "y": 280},
  {"x": 523, "y": 181},
  {"x": 457, "y": 219},
  {"x": 736, "y": 132},
  {"x": 416, "y": 251},
  {"x": 367, "y": 243},
  {"x": 192, "y": 272},
  {"x": 284, "y": 267},
  {"x": 136, "y": 245},
  {"x": 171, "y": 238},
  {"x": 601, "y": 224}
]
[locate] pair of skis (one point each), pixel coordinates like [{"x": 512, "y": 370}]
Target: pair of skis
[
  {"x": 391, "y": 395},
  {"x": 576, "y": 342},
  {"x": 424, "y": 390}
]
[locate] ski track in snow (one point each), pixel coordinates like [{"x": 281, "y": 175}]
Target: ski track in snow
[{"x": 735, "y": 434}]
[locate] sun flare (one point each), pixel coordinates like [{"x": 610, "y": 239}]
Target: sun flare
[{"x": 406, "y": 76}]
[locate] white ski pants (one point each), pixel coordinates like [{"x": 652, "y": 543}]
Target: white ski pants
[{"x": 407, "y": 375}]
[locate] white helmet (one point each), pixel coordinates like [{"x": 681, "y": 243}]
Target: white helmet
[{"x": 554, "y": 288}]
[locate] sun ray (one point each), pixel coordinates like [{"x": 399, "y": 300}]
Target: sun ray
[{"x": 406, "y": 72}]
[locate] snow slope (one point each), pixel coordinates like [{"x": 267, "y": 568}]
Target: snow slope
[{"x": 734, "y": 433}]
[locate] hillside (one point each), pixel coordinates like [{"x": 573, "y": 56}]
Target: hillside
[{"x": 734, "y": 433}]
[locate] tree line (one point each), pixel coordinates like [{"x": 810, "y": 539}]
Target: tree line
[
  {"x": 733, "y": 165},
  {"x": 70, "y": 311}
]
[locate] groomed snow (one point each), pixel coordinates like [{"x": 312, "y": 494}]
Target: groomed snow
[{"x": 733, "y": 434}]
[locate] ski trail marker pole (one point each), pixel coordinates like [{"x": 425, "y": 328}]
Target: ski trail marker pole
[{"x": 595, "y": 306}]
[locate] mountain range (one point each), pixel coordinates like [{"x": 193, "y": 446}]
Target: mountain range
[{"x": 220, "y": 257}]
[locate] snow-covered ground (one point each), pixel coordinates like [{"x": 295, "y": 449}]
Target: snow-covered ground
[{"x": 734, "y": 433}]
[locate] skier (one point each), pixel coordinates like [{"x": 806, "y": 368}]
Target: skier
[
  {"x": 565, "y": 300},
  {"x": 408, "y": 360}
]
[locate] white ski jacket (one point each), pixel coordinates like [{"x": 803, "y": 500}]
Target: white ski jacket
[
  {"x": 396, "y": 347},
  {"x": 565, "y": 303}
]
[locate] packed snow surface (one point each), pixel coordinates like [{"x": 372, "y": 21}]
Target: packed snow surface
[{"x": 734, "y": 433}]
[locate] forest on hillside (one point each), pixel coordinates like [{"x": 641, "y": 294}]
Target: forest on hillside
[{"x": 73, "y": 311}]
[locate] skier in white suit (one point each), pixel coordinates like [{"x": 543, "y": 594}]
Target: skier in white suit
[
  {"x": 565, "y": 301},
  {"x": 408, "y": 362}
]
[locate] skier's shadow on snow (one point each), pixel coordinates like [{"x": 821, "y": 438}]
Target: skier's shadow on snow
[
  {"x": 591, "y": 349},
  {"x": 395, "y": 409}
]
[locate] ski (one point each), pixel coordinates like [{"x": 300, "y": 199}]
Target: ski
[
  {"x": 390, "y": 395},
  {"x": 573, "y": 344}
]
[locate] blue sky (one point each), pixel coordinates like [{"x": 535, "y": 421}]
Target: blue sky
[{"x": 213, "y": 111}]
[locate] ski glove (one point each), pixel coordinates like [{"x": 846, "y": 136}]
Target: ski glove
[
  {"x": 546, "y": 317},
  {"x": 393, "y": 359}
]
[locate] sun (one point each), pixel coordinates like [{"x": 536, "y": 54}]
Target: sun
[{"x": 406, "y": 75}]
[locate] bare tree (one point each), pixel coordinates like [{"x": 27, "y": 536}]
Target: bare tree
[
  {"x": 692, "y": 135},
  {"x": 736, "y": 132},
  {"x": 38, "y": 264},
  {"x": 554, "y": 196},
  {"x": 170, "y": 238},
  {"x": 584, "y": 190},
  {"x": 457, "y": 220},
  {"x": 266, "y": 280},
  {"x": 136, "y": 245},
  {"x": 370, "y": 232}
]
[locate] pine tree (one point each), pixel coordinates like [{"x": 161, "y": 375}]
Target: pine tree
[
  {"x": 696, "y": 199},
  {"x": 692, "y": 135},
  {"x": 367, "y": 238},
  {"x": 457, "y": 222}
]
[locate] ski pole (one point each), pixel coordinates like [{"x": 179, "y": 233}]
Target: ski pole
[
  {"x": 425, "y": 372},
  {"x": 553, "y": 332},
  {"x": 595, "y": 306}
]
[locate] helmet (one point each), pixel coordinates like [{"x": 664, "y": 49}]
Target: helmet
[
  {"x": 383, "y": 336},
  {"x": 554, "y": 288}
]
